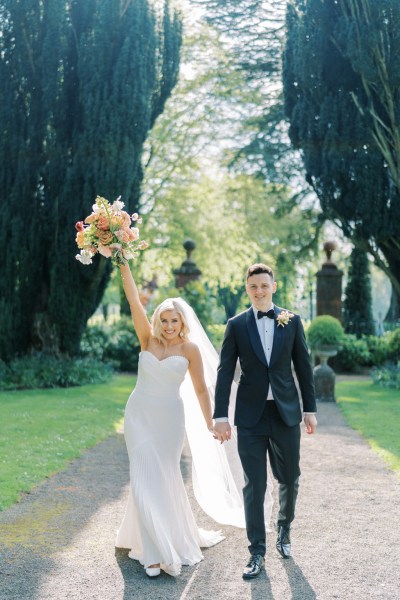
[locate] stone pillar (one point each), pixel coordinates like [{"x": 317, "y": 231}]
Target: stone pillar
[
  {"x": 329, "y": 286},
  {"x": 188, "y": 271}
]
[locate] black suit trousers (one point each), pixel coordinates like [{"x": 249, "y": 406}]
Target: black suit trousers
[{"x": 282, "y": 443}]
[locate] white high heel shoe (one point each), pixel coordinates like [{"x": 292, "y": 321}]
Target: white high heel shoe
[{"x": 153, "y": 571}]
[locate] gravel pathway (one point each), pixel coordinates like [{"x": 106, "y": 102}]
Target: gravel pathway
[{"x": 57, "y": 543}]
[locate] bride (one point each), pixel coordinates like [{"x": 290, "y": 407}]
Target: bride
[{"x": 158, "y": 527}]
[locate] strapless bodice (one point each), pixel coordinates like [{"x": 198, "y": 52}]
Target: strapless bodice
[{"x": 160, "y": 377}]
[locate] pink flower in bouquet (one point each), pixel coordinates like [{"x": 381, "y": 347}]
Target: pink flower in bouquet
[
  {"x": 92, "y": 218},
  {"x": 132, "y": 236},
  {"x": 105, "y": 237},
  {"x": 79, "y": 226},
  {"x": 134, "y": 233},
  {"x": 126, "y": 220},
  {"x": 103, "y": 223},
  {"x": 105, "y": 251},
  {"x": 123, "y": 235}
]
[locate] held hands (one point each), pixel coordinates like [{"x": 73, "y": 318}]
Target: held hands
[
  {"x": 310, "y": 422},
  {"x": 222, "y": 431}
]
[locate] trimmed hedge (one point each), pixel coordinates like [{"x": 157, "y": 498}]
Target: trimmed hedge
[{"x": 324, "y": 330}]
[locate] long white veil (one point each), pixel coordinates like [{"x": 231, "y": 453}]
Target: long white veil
[{"x": 216, "y": 470}]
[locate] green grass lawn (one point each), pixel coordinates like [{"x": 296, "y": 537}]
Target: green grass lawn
[
  {"x": 42, "y": 430},
  {"x": 374, "y": 411}
]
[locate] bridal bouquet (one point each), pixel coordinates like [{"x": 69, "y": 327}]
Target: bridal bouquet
[{"x": 108, "y": 231}]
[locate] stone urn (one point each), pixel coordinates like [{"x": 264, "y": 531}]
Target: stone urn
[
  {"x": 325, "y": 335},
  {"x": 324, "y": 375}
]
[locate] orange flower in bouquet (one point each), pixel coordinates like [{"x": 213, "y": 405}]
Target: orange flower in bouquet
[{"x": 108, "y": 231}]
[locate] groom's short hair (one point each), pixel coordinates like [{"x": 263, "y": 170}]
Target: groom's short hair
[{"x": 258, "y": 268}]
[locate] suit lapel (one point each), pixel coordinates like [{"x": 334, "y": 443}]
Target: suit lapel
[
  {"x": 254, "y": 336},
  {"x": 278, "y": 337}
]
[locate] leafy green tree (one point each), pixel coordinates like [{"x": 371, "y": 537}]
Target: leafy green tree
[
  {"x": 235, "y": 218},
  {"x": 338, "y": 109},
  {"x": 252, "y": 32},
  {"x": 357, "y": 307},
  {"x": 82, "y": 83}
]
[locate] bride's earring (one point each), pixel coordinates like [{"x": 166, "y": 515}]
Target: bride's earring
[{"x": 181, "y": 333}]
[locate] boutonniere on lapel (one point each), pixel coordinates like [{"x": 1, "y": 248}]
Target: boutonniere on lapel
[{"x": 284, "y": 318}]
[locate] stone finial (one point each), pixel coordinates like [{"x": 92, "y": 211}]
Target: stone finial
[
  {"x": 189, "y": 246},
  {"x": 188, "y": 271},
  {"x": 329, "y": 247}
]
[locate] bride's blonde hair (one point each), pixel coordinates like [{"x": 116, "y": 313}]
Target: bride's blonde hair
[{"x": 168, "y": 304}]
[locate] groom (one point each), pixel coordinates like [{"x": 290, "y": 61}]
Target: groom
[{"x": 266, "y": 339}]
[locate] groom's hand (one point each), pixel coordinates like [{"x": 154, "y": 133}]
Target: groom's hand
[
  {"x": 222, "y": 431},
  {"x": 310, "y": 421}
]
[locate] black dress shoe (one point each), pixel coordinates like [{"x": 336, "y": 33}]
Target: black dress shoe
[
  {"x": 253, "y": 567},
  {"x": 283, "y": 541}
]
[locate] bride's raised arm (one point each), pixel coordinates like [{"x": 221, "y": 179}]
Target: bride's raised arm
[{"x": 140, "y": 320}]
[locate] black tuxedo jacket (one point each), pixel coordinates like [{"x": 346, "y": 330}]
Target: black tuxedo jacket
[{"x": 242, "y": 341}]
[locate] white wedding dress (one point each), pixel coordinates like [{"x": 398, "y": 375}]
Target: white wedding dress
[{"x": 158, "y": 525}]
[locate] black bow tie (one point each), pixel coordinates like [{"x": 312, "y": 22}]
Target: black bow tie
[{"x": 270, "y": 314}]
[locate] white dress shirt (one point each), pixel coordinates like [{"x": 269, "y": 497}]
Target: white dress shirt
[{"x": 266, "y": 329}]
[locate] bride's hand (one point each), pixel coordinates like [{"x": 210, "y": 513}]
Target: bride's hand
[{"x": 222, "y": 431}]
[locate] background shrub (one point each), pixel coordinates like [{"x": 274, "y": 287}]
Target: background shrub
[
  {"x": 358, "y": 353},
  {"x": 43, "y": 371},
  {"x": 123, "y": 347},
  {"x": 387, "y": 376},
  {"x": 103, "y": 349},
  {"x": 94, "y": 341},
  {"x": 116, "y": 344},
  {"x": 378, "y": 349},
  {"x": 394, "y": 344},
  {"x": 353, "y": 353}
]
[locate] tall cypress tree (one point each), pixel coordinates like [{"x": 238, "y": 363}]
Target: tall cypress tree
[
  {"x": 357, "y": 308},
  {"x": 327, "y": 103},
  {"x": 82, "y": 84}
]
